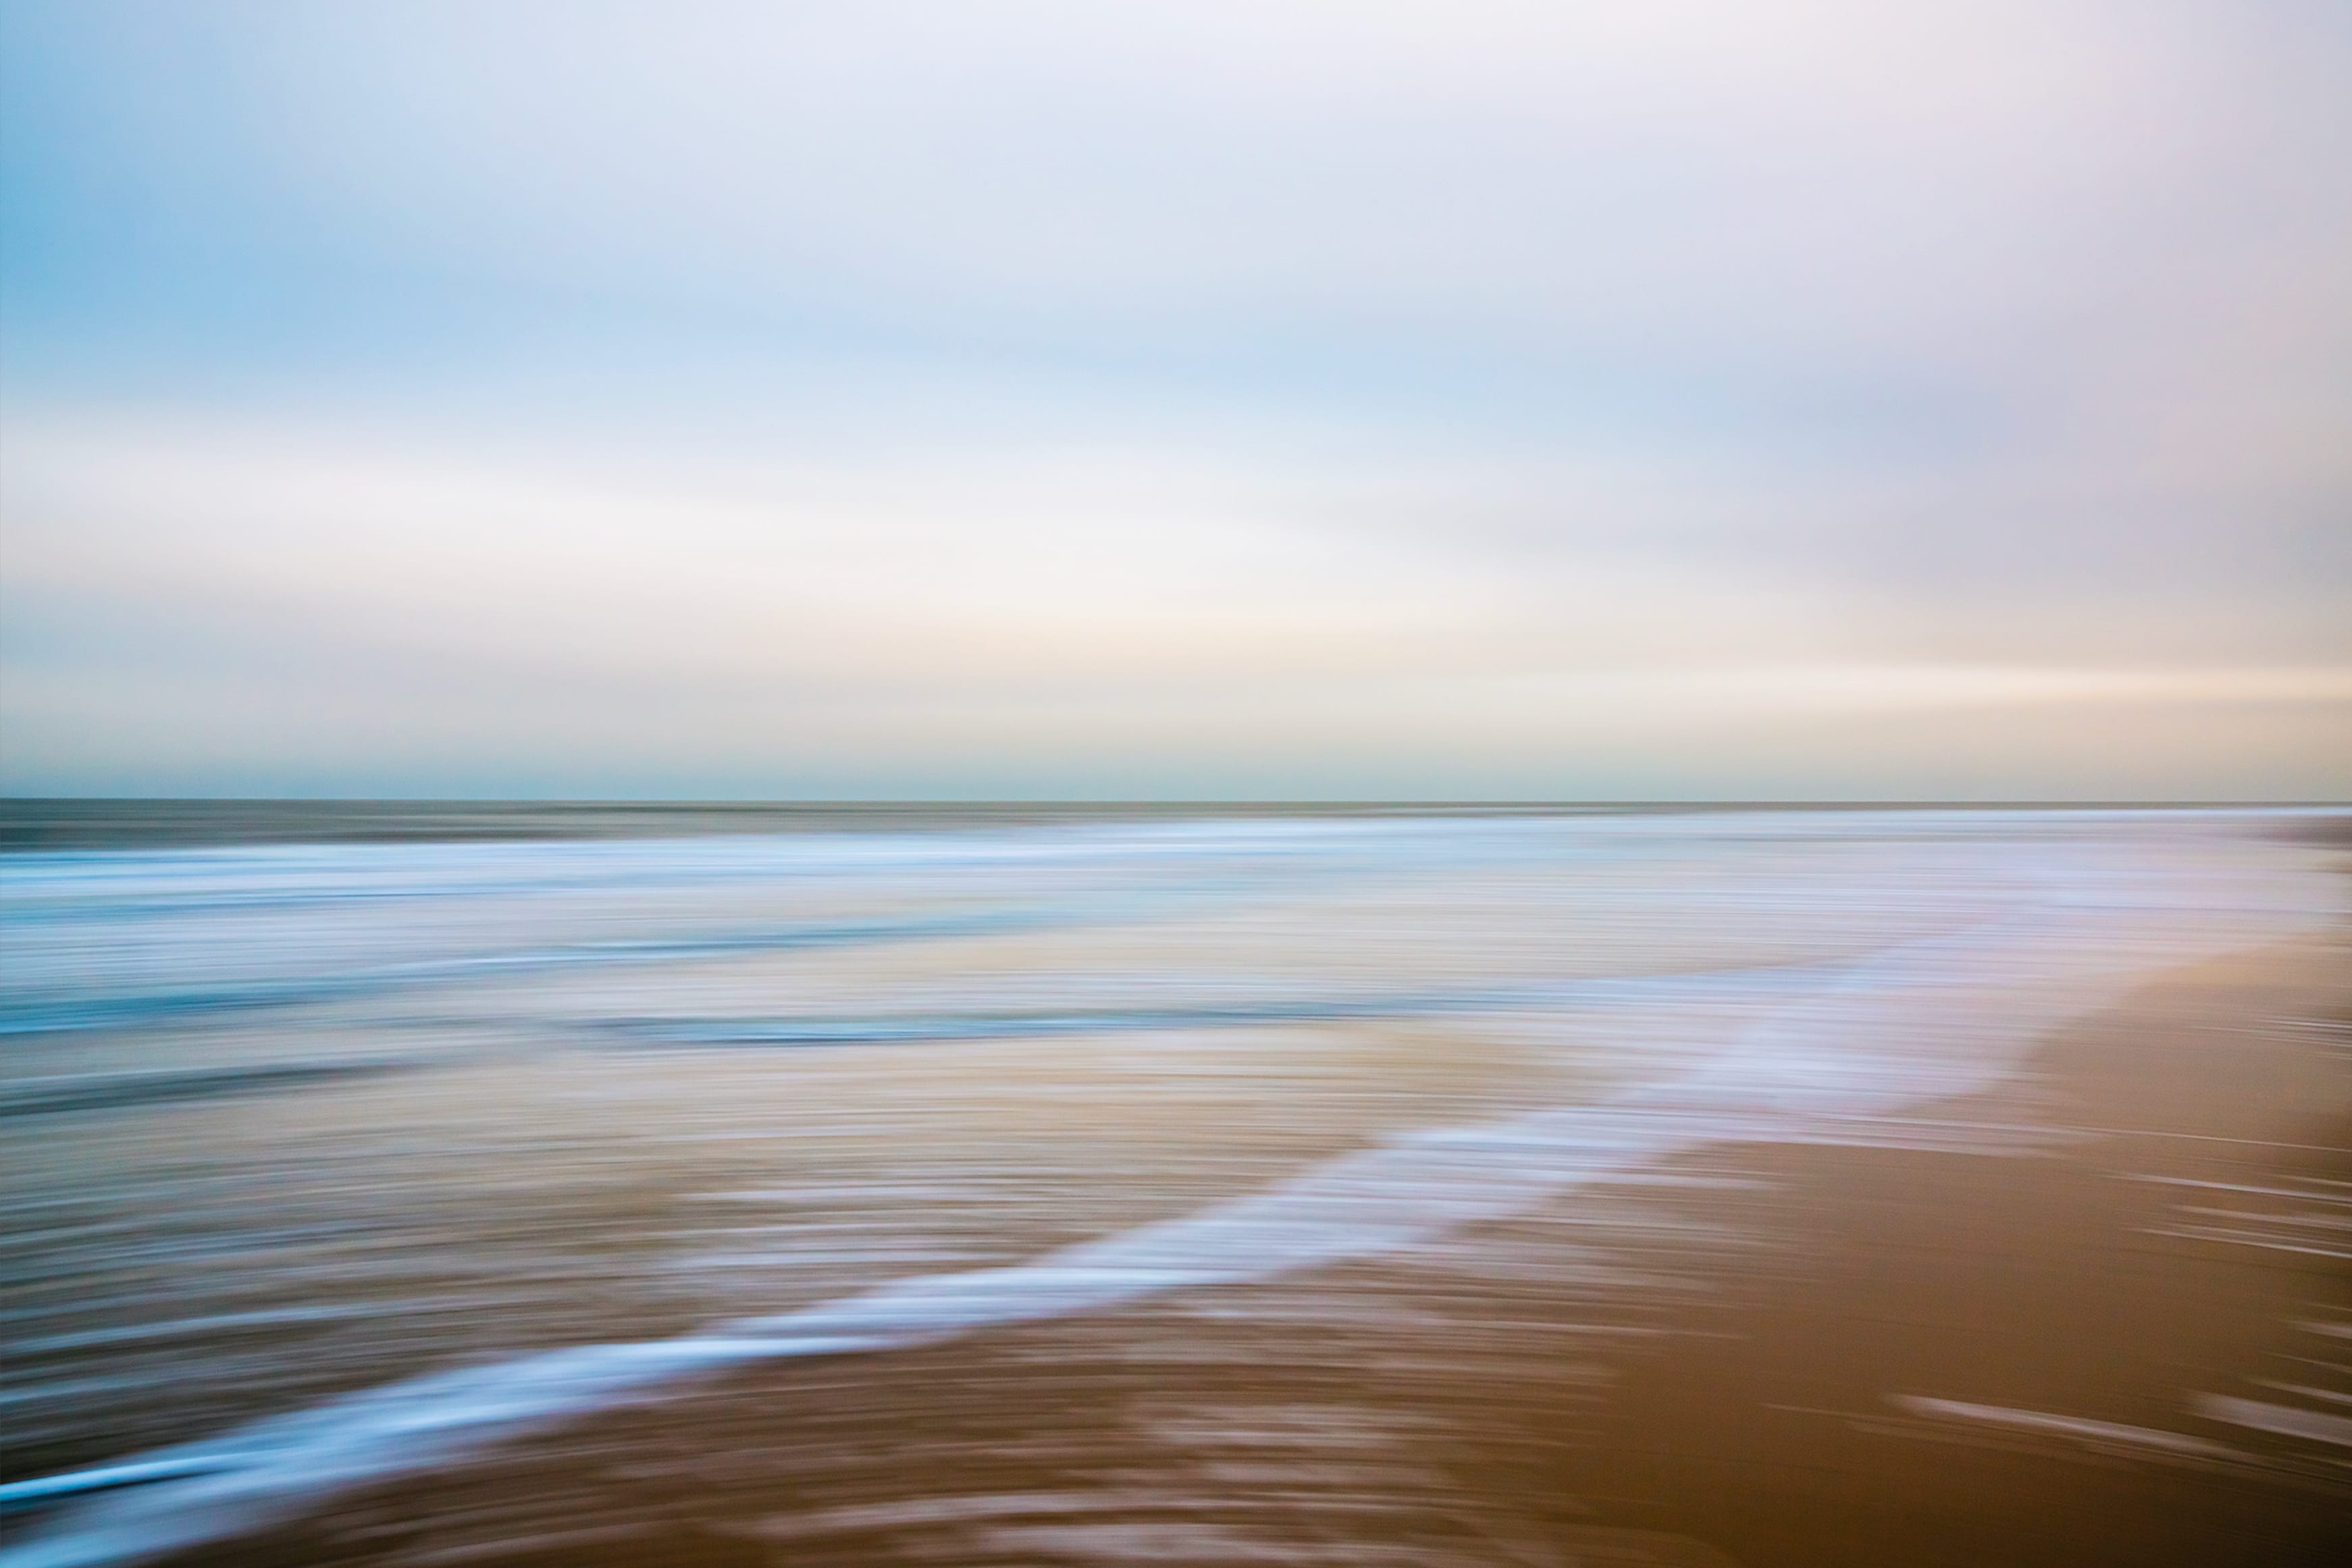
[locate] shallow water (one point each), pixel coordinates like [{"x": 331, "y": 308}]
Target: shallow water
[{"x": 381, "y": 1160}]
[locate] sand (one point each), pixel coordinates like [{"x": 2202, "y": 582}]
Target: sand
[{"x": 2073, "y": 1352}]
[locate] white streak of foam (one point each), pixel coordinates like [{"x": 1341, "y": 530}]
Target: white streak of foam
[
  {"x": 1921, "y": 1021},
  {"x": 2281, "y": 1420},
  {"x": 2100, "y": 1434}
]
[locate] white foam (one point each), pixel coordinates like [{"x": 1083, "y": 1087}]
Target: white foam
[
  {"x": 2280, "y": 1420},
  {"x": 2107, "y": 1435}
]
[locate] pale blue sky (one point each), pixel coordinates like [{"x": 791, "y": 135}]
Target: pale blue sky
[{"x": 1253, "y": 399}]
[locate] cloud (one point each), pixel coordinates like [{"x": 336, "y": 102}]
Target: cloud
[
  {"x": 263, "y": 603},
  {"x": 980, "y": 391}
]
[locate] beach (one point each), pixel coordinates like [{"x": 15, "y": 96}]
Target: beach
[{"x": 1762, "y": 1187}]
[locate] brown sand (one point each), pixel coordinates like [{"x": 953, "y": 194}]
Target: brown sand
[
  {"x": 1663, "y": 1374},
  {"x": 2067, "y": 1286}
]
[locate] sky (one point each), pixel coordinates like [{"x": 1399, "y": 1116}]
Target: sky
[{"x": 1274, "y": 399}]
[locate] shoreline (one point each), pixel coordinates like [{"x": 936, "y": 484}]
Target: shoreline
[{"x": 33, "y": 825}]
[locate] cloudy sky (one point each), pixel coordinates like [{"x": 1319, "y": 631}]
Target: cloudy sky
[{"x": 1256, "y": 399}]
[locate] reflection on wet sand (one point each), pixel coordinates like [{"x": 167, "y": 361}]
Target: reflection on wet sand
[{"x": 1771, "y": 1188}]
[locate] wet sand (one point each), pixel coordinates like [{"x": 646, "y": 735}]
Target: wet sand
[
  {"x": 1768, "y": 1356},
  {"x": 1971, "y": 1361}
]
